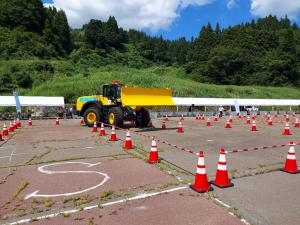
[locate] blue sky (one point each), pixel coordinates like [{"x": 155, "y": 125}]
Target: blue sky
[{"x": 175, "y": 18}]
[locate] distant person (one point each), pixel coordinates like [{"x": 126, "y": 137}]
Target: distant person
[
  {"x": 71, "y": 112},
  {"x": 221, "y": 111}
]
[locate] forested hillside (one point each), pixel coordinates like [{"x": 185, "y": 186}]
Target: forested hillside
[{"x": 37, "y": 45}]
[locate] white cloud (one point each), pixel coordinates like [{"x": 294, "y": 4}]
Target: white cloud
[
  {"x": 231, "y": 4},
  {"x": 138, "y": 14},
  {"x": 279, "y": 8}
]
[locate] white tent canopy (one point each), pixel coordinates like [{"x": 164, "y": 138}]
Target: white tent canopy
[
  {"x": 234, "y": 102},
  {"x": 32, "y": 101}
]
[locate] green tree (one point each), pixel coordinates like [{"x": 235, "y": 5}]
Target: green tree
[
  {"x": 29, "y": 15},
  {"x": 94, "y": 35}
]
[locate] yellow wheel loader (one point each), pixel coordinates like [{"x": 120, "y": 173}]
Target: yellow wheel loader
[{"x": 120, "y": 104}]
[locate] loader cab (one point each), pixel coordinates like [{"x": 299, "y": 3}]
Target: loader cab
[{"x": 112, "y": 91}]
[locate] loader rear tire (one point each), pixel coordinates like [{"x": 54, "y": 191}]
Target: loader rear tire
[{"x": 142, "y": 118}]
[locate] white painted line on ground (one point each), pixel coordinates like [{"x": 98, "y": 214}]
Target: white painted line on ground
[
  {"x": 43, "y": 170},
  {"x": 229, "y": 207},
  {"x": 8, "y": 156},
  {"x": 88, "y": 147},
  {"x": 137, "y": 197},
  {"x": 210, "y": 140}
]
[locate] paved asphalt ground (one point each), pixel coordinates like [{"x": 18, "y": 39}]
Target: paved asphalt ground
[{"x": 73, "y": 176}]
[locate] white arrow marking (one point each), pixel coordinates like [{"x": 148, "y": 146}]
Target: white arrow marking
[{"x": 43, "y": 169}]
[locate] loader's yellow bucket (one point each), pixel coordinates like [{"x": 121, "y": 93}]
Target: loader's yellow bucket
[{"x": 146, "y": 97}]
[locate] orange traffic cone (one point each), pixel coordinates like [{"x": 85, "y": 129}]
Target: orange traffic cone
[
  {"x": 287, "y": 129},
  {"x": 197, "y": 117},
  {"x": 297, "y": 124},
  {"x": 102, "y": 131},
  {"x": 248, "y": 120},
  {"x": 270, "y": 122},
  {"x": 182, "y": 118},
  {"x": 253, "y": 127},
  {"x": 245, "y": 116},
  {"x": 291, "y": 161},
  {"x": 228, "y": 125},
  {"x": 29, "y": 122},
  {"x": 253, "y": 117},
  {"x": 167, "y": 118},
  {"x": 81, "y": 121},
  {"x": 57, "y": 121},
  {"x": 5, "y": 130},
  {"x": 287, "y": 119},
  {"x": 240, "y": 116},
  {"x": 19, "y": 123},
  {"x": 153, "y": 156},
  {"x": 180, "y": 129},
  {"x": 128, "y": 142},
  {"x": 294, "y": 114},
  {"x": 203, "y": 117},
  {"x": 1, "y": 138},
  {"x": 95, "y": 129},
  {"x": 230, "y": 118},
  {"x": 11, "y": 128},
  {"x": 201, "y": 183},
  {"x": 163, "y": 126},
  {"x": 222, "y": 179},
  {"x": 113, "y": 136},
  {"x": 275, "y": 115},
  {"x": 208, "y": 123},
  {"x": 216, "y": 119},
  {"x": 15, "y": 125}
]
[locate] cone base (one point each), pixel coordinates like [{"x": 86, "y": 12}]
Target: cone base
[
  {"x": 151, "y": 162},
  {"x": 222, "y": 186},
  {"x": 201, "y": 191},
  {"x": 286, "y": 171}
]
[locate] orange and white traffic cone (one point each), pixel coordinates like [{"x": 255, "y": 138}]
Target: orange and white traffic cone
[
  {"x": 1, "y": 138},
  {"x": 102, "y": 130},
  {"x": 253, "y": 117},
  {"x": 287, "y": 119},
  {"x": 291, "y": 161},
  {"x": 297, "y": 124},
  {"x": 113, "y": 136},
  {"x": 287, "y": 129},
  {"x": 163, "y": 126},
  {"x": 29, "y": 122},
  {"x": 275, "y": 115},
  {"x": 240, "y": 116},
  {"x": 153, "y": 156},
  {"x": 166, "y": 118},
  {"x": 5, "y": 130},
  {"x": 230, "y": 118},
  {"x": 248, "y": 120},
  {"x": 19, "y": 123},
  {"x": 128, "y": 142},
  {"x": 15, "y": 125},
  {"x": 216, "y": 119},
  {"x": 57, "y": 121},
  {"x": 203, "y": 117},
  {"x": 182, "y": 118},
  {"x": 201, "y": 183},
  {"x": 82, "y": 122},
  {"x": 253, "y": 127},
  {"x": 270, "y": 122},
  {"x": 222, "y": 179},
  {"x": 197, "y": 117},
  {"x": 228, "y": 125},
  {"x": 180, "y": 129},
  {"x": 208, "y": 123},
  {"x": 95, "y": 129},
  {"x": 245, "y": 116},
  {"x": 294, "y": 114},
  {"x": 11, "y": 128}
]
